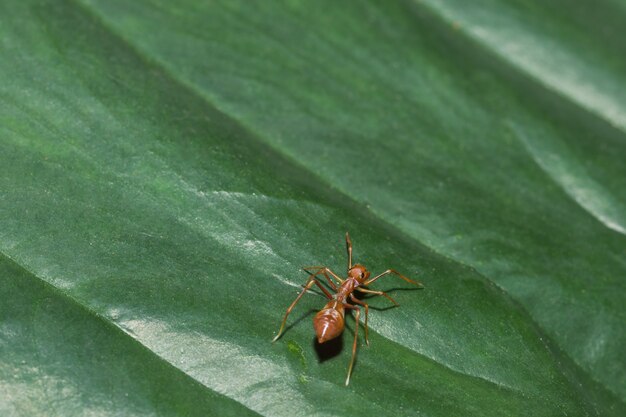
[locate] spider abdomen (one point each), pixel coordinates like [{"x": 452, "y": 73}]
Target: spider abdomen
[{"x": 329, "y": 322}]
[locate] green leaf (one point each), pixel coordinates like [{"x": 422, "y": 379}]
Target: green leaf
[{"x": 167, "y": 167}]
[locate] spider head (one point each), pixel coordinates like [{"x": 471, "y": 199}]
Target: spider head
[{"x": 359, "y": 272}]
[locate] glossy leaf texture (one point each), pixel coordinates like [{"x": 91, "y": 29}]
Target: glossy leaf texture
[{"x": 167, "y": 167}]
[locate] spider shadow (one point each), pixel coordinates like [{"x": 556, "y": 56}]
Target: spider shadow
[{"x": 328, "y": 349}]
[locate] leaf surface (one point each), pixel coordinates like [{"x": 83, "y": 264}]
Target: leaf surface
[{"x": 166, "y": 169}]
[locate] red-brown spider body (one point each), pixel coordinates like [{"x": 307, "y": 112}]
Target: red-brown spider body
[{"x": 329, "y": 322}]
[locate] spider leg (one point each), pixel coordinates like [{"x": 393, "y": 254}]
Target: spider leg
[
  {"x": 384, "y": 294},
  {"x": 393, "y": 271},
  {"x": 312, "y": 280},
  {"x": 356, "y": 334},
  {"x": 367, "y": 311},
  {"x": 349, "y": 247}
]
